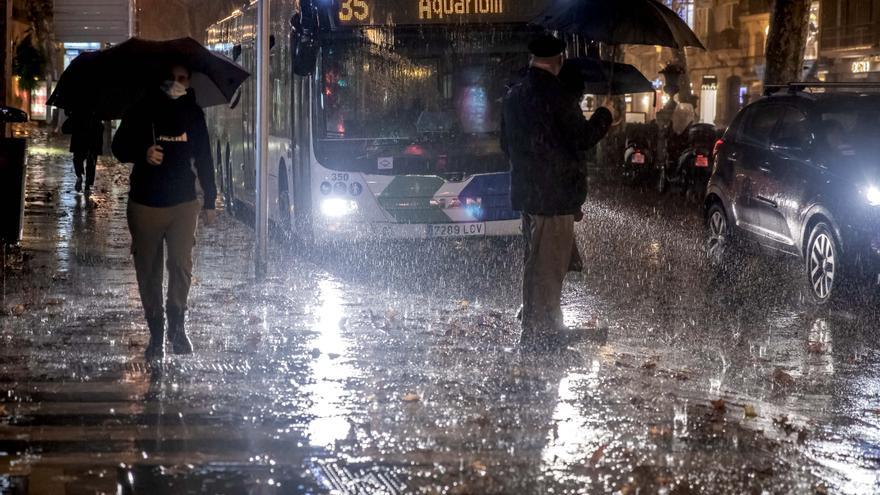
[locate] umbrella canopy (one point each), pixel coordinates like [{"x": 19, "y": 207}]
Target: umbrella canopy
[
  {"x": 107, "y": 82},
  {"x": 601, "y": 77},
  {"x": 632, "y": 22}
]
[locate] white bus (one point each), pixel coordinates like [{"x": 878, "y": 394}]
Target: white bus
[{"x": 384, "y": 116}]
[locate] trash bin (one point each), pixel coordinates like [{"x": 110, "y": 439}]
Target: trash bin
[{"x": 13, "y": 153}]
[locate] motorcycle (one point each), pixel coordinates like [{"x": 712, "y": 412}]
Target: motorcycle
[
  {"x": 689, "y": 162},
  {"x": 638, "y": 155},
  {"x": 695, "y": 163}
]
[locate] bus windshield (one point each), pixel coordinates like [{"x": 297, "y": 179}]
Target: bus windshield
[{"x": 422, "y": 100}]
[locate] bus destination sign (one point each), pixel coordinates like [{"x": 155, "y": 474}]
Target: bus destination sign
[{"x": 410, "y": 12}]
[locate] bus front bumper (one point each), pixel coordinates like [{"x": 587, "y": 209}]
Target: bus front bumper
[{"x": 344, "y": 232}]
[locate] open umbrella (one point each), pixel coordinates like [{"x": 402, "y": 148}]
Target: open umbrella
[
  {"x": 107, "y": 82},
  {"x": 602, "y": 77},
  {"x": 619, "y": 22}
]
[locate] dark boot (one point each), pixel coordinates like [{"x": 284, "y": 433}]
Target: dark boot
[
  {"x": 180, "y": 343},
  {"x": 156, "y": 348}
]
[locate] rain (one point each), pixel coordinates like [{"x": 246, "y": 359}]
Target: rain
[{"x": 387, "y": 365}]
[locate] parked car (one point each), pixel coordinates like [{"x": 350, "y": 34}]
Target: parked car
[{"x": 799, "y": 172}]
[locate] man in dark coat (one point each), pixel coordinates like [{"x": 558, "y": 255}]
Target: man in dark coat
[
  {"x": 542, "y": 133},
  {"x": 166, "y": 138},
  {"x": 86, "y": 142}
]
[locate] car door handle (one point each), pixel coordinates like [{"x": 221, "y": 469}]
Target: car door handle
[
  {"x": 767, "y": 201},
  {"x": 765, "y": 169},
  {"x": 731, "y": 157}
]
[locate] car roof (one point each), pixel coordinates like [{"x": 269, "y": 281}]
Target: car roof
[{"x": 827, "y": 100}]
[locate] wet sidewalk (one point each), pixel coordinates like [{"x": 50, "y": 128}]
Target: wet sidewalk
[{"x": 391, "y": 369}]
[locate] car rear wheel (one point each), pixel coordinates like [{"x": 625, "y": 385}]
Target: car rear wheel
[
  {"x": 823, "y": 264},
  {"x": 718, "y": 245}
]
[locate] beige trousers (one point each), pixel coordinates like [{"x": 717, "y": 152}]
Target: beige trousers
[
  {"x": 549, "y": 241},
  {"x": 152, "y": 231}
]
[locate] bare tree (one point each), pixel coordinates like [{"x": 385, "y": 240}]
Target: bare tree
[{"x": 789, "y": 24}]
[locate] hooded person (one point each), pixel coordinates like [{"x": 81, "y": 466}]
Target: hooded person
[
  {"x": 166, "y": 138},
  {"x": 542, "y": 134}
]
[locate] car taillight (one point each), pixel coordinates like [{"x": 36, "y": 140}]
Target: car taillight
[{"x": 717, "y": 145}]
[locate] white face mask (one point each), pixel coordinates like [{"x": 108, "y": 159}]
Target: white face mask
[{"x": 173, "y": 89}]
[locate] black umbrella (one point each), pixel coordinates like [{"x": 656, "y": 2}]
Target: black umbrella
[
  {"x": 632, "y": 22},
  {"x": 601, "y": 77},
  {"x": 107, "y": 82}
]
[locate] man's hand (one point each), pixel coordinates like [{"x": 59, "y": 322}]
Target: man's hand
[
  {"x": 615, "y": 117},
  {"x": 155, "y": 155},
  {"x": 209, "y": 216}
]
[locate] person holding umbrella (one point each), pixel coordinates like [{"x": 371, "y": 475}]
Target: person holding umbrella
[
  {"x": 542, "y": 132},
  {"x": 164, "y": 135}
]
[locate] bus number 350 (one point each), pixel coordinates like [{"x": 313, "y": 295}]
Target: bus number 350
[{"x": 353, "y": 9}]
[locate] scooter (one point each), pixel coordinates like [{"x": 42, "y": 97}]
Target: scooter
[
  {"x": 695, "y": 163},
  {"x": 638, "y": 156},
  {"x": 689, "y": 160}
]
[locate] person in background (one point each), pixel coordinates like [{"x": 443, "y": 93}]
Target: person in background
[{"x": 86, "y": 142}]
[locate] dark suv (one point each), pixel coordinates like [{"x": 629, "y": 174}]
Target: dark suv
[{"x": 799, "y": 172}]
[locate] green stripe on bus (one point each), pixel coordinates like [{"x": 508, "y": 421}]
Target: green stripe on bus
[{"x": 408, "y": 199}]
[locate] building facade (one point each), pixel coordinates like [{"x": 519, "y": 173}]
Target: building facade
[
  {"x": 729, "y": 73},
  {"x": 849, "y": 41}
]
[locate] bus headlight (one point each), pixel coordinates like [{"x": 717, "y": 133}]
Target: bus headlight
[
  {"x": 338, "y": 207},
  {"x": 873, "y": 195}
]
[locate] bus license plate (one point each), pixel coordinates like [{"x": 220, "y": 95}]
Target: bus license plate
[
  {"x": 457, "y": 229},
  {"x": 702, "y": 161},
  {"x": 638, "y": 158}
]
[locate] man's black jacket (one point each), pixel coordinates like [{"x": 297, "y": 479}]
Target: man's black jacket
[
  {"x": 541, "y": 134},
  {"x": 178, "y": 126}
]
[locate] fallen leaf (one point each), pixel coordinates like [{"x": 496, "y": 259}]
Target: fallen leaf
[
  {"x": 649, "y": 365},
  {"x": 2, "y": 410},
  {"x": 659, "y": 431},
  {"x": 816, "y": 348},
  {"x": 481, "y": 421},
  {"x": 719, "y": 405},
  {"x": 54, "y": 301},
  {"x": 479, "y": 466},
  {"x": 464, "y": 304},
  {"x": 18, "y": 309},
  {"x": 750, "y": 411},
  {"x": 802, "y": 436},
  {"x": 411, "y": 397},
  {"x": 783, "y": 378},
  {"x": 597, "y": 455}
]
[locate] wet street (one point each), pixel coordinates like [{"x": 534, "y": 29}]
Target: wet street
[{"x": 392, "y": 369}]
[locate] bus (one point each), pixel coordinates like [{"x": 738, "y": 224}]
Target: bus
[{"x": 384, "y": 116}]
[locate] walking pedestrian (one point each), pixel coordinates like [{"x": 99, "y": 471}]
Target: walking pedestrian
[
  {"x": 164, "y": 136},
  {"x": 542, "y": 133},
  {"x": 86, "y": 142}
]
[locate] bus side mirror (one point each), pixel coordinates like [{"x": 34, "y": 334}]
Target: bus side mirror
[{"x": 304, "y": 40}]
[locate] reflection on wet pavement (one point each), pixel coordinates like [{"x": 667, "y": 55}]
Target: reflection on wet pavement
[{"x": 392, "y": 368}]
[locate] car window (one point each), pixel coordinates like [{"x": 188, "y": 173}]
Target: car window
[
  {"x": 759, "y": 123},
  {"x": 793, "y": 130}
]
